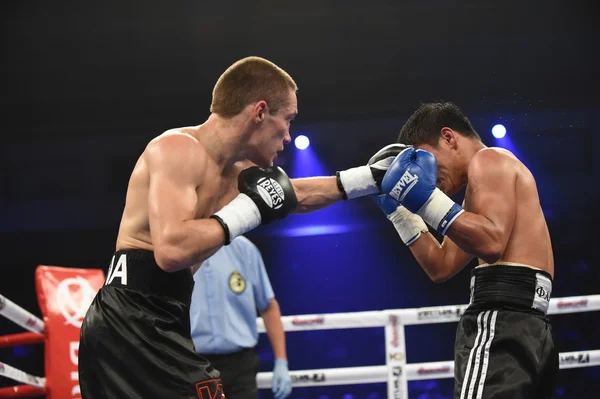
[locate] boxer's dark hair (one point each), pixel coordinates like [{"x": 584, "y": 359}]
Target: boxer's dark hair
[
  {"x": 249, "y": 80},
  {"x": 425, "y": 124}
]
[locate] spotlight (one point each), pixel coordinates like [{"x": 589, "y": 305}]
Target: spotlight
[
  {"x": 499, "y": 131},
  {"x": 302, "y": 142}
]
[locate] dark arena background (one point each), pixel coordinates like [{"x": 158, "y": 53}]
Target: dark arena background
[{"x": 85, "y": 85}]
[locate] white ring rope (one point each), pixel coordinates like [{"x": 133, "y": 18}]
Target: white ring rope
[
  {"x": 428, "y": 315},
  {"x": 350, "y": 375},
  {"x": 414, "y": 372},
  {"x": 21, "y": 376},
  {"x": 20, "y": 316}
]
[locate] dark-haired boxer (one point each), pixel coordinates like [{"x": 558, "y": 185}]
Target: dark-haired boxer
[{"x": 504, "y": 346}]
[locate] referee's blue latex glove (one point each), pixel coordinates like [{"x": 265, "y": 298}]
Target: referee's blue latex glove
[{"x": 282, "y": 383}]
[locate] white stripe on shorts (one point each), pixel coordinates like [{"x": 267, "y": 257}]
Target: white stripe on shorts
[
  {"x": 486, "y": 355},
  {"x": 480, "y": 353},
  {"x": 473, "y": 350}
]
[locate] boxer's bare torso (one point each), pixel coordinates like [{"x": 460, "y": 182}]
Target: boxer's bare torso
[
  {"x": 529, "y": 242},
  {"x": 215, "y": 188}
]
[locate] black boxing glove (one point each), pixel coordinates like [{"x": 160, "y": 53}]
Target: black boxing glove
[
  {"x": 366, "y": 180},
  {"x": 265, "y": 195}
]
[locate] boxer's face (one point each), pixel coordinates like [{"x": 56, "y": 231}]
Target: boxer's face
[
  {"x": 274, "y": 132},
  {"x": 448, "y": 173}
]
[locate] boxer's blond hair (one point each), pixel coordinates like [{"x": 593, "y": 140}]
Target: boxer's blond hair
[{"x": 249, "y": 80}]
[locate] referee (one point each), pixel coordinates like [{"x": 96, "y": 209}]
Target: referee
[{"x": 229, "y": 289}]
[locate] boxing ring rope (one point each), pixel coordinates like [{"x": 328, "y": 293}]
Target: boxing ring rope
[
  {"x": 414, "y": 372},
  {"x": 18, "y": 315},
  {"x": 396, "y": 372}
]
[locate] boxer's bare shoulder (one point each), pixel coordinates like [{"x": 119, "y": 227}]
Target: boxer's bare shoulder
[
  {"x": 173, "y": 140},
  {"x": 492, "y": 157},
  {"x": 179, "y": 150},
  {"x": 173, "y": 159},
  {"x": 493, "y": 170}
]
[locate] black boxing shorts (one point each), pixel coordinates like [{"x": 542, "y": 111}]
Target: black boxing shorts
[
  {"x": 504, "y": 344},
  {"x": 135, "y": 338}
]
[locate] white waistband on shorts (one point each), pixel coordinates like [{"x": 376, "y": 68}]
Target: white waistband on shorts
[{"x": 507, "y": 264}]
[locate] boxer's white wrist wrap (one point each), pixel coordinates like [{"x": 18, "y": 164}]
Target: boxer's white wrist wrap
[
  {"x": 240, "y": 216},
  {"x": 358, "y": 182},
  {"x": 440, "y": 211},
  {"x": 408, "y": 225}
]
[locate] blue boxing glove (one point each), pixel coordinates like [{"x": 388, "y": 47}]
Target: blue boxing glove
[
  {"x": 282, "y": 383},
  {"x": 408, "y": 225},
  {"x": 411, "y": 180},
  {"x": 386, "y": 203}
]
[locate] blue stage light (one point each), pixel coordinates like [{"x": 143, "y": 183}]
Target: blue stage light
[
  {"x": 302, "y": 142},
  {"x": 499, "y": 131}
]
